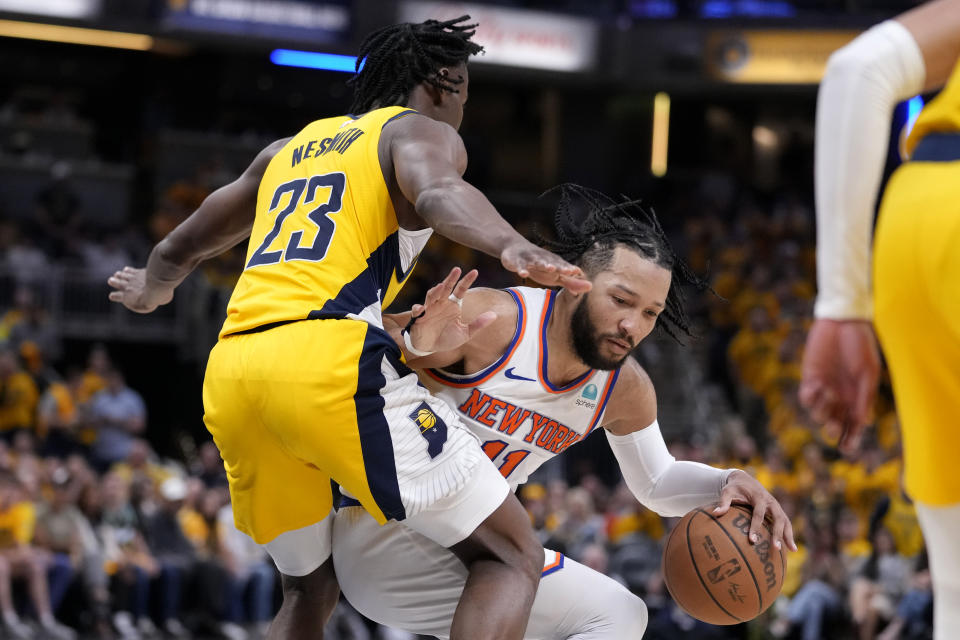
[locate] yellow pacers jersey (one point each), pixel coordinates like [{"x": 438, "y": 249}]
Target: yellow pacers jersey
[
  {"x": 325, "y": 242},
  {"x": 941, "y": 115}
]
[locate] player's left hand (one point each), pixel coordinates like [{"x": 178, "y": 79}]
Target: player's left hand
[
  {"x": 743, "y": 488},
  {"x": 439, "y": 322},
  {"x": 841, "y": 368},
  {"x": 528, "y": 260},
  {"x": 132, "y": 290}
]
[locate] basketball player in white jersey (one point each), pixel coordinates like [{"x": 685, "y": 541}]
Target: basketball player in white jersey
[{"x": 551, "y": 368}]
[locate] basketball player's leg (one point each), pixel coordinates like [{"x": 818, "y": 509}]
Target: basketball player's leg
[
  {"x": 402, "y": 579},
  {"x": 310, "y": 592},
  {"x": 917, "y": 311},
  {"x": 941, "y": 526}
]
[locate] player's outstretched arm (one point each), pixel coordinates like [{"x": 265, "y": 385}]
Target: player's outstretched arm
[
  {"x": 674, "y": 487},
  {"x": 429, "y": 160},
  {"x": 863, "y": 82},
  {"x": 223, "y": 220}
]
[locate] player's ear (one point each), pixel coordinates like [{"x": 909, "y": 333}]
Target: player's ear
[{"x": 436, "y": 93}]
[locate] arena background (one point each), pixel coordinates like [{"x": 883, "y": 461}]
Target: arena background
[{"x": 118, "y": 116}]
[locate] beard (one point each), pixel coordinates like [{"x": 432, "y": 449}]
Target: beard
[{"x": 587, "y": 340}]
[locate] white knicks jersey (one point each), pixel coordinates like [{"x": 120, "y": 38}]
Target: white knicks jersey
[{"x": 520, "y": 417}]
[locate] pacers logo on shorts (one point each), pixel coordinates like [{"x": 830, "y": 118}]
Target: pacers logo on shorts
[{"x": 432, "y": 428}]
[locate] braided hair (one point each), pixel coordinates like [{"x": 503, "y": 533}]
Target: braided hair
[
  {"x": 397, "y": 58},
  {"x": 590, "y": 241}
]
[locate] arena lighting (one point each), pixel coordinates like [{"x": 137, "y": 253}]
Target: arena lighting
[
  {"x": 661, "y": 134},
  {"x": 314, "y": 60},
  {"x": 75, "y": 35}
]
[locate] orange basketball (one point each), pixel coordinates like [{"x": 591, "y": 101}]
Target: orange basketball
[{"x": 715, "y": 574}]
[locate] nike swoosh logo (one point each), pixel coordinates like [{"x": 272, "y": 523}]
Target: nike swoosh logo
[{"x": 510, "y": 374}]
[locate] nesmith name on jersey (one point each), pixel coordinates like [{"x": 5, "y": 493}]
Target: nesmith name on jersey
[
  {"x": 339, "y": 143},
  {"x": 544, "y": 432}
]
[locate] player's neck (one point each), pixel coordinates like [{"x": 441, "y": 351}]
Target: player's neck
[{"x": 563, "y": 366}]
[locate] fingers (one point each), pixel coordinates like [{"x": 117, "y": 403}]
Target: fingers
[
  {"x": 788, "y": 535},
  {"x": 726, "y": 499},
  {"x": 850, "y": 437},
  {"x": 865, "y": 393},
  {"x": 116, "y": 296},
  {"x": 575, "y": 284},
  {"x": 465, "y": 283},
  {"x": 756, "y": 525}
]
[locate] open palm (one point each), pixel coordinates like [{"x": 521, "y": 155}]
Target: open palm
[{"x": 439, "y": 322}]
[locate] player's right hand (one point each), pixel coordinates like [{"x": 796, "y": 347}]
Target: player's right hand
[
  {"x": 439, "y": 324},
  {"x": 528, "y": 260},
  {"x": 132, "y": 291},
  {"x": 841, "y": 368}
]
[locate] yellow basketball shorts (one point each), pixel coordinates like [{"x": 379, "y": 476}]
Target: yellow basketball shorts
[
  {"x": 296, "y": 406},
  {"x": 916, "y": 275}
]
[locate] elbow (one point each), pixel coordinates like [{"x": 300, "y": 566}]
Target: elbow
[
  {"x": 434, "y": 200},
  {"x": 177, "y": 250}
]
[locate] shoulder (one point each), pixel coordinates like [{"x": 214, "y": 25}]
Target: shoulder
[
  {"x": 418, "y": 131},
  {"x": 633, "y": 403},
  {"x": 259, "y": 165},
  {"x": 496, "y": 336}
]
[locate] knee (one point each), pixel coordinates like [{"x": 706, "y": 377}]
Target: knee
[
  {"x": 636, "y": 616},
  {"x": 318, "y": 586},
  {"x": 627, "y": 613}
]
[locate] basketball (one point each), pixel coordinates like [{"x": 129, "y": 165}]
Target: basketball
[{"x": 715, "y": 574}]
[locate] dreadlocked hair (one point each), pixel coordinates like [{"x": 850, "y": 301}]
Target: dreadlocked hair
[
  {"x": 590, "y": 241},
  {"x": 397, "y": 58}
]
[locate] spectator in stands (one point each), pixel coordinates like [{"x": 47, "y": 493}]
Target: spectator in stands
[
  {"x": 914, "y": 617},
  {"x": 253, "y": 572},
  {"x": 59, "y": 417},
  {"x": 209, "y": 467},
  {"x": 28, "y": 322},
  {"x": 19, "y": 558},
  {"x": 58, "y": 208},
  {"x": 128, "y": 559},
  {"x": 174, "y": 552},
  {"x": 63, "y": 529},
  {"x": 18, "y": 395},
  {"x": 118, "y": 415},
  {"x": 874, "y": 594},
  {"x": 580, "y": 526}
]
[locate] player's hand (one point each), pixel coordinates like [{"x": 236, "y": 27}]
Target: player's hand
[
  {"x": 132, "y": 291},
  {"x": 528, "y": 260},
  {"x": 743, "y": 488},
  {"x": 439, "y": 325},
  {"x": 841, "y": 368}
]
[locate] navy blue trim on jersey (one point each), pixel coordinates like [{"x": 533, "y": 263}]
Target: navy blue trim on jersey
[
  {"x": 551, "y": 298},
  {"x": 376, "y": 444},
  {"x": 362, "y": 291},
  {"x": 398, "y": 116},
  {"x": 475, "y": 377},
  {"x": 347, "y": 502},
  {"x": 603, "y": 403},
  {"x": 937, "y": 147}
]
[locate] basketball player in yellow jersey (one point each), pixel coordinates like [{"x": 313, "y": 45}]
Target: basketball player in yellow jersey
[
  {"x": 915, "y": 302},
  {"x": 305, "y": 386}
]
